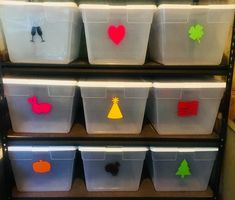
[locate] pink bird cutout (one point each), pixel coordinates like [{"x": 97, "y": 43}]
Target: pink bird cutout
[{"x": 39, "y": 108}]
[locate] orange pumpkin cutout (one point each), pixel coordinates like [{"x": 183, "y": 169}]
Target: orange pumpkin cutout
[{"x": 41, "y": 167}]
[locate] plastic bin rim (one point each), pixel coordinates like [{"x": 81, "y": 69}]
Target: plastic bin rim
[
  {"x": 25, "y": 3},
  {"x": 112, "y": 84},
  {"x": 112, "y": 149},
  {"x": 39, "y": 82},
  {"x": 183, "y": 149},
  {"x": 187, "y": 6},
  {"x": 41, "y": 148},
  {"x": 189, "y": 84},
  {"x": 106, "y": 6}
]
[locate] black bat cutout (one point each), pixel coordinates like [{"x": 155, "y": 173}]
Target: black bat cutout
[{"x": 112, "y": 168}]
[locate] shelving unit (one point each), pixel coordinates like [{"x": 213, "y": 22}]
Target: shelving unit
[{"x": 148, "y": 136}]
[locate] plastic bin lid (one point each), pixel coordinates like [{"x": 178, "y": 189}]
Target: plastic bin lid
[
  {"x": 39, "y": 82},
  {"x": 113, "y": 149},
  {"x": 40, "y": 148},
  {"x": 25, "y": 3},
  {"x": 187, "y": 6},
  {"x": 182, "y": 149},
  {"x": 106, "y": 6},
  {"x": 189, "y": 84},
  {"x": 115, "y": 84}
]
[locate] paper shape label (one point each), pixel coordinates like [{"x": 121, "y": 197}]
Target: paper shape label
[
  {"x": 196, "y": 32},
  {"x": 183, "y": 169},
  {"x": 38, "y": 30},
  {"x": 115, "y": 111},
  {"x": 187, "y": 108},
  {"x": 116, "y": 34},
  {"x": 41, "y": 167},
  {"x": 112, "y": 168},
  {"x": 39, "y": 108}
]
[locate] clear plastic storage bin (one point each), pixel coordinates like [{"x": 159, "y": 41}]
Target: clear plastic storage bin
[
  {"x": 3, "y": 51},
  {"x": 41, "y": 32},
  {"x": 113, "y": 169},
  {"x": 117, "y": 34},
  {"x": 184, "y": 108},
  {"x": 40, "y": 106},
  {"x": 114, "y": 107},
  {"x": 42, "y": 168},
  {"x": 189, "y": 34},
  {"x": 181, "y": 169}
]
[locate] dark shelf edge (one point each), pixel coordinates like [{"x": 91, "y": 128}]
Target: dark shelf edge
[
  {"x": 83, "y": 68},
  {"x": 146, "y": 190},
  {"x": 84, "y": 63},
  {"x": 79, "y": 136}
]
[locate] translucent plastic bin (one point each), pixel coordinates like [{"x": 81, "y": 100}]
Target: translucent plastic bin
[
  {"x": 41, "y": 32},
  {"x": 40, "y": 106},
  {"x": 181, "y": 169},
  {"x": 113, "y": 169},
  {"x": 114, "y": 107},
  {"x": 42, "y": 168},
  {"x": 189, "y": 34},
  {"x": 117, "y": 34},
  {"x": 184, "y": 108},
  {"x": 2, "y": 42}
]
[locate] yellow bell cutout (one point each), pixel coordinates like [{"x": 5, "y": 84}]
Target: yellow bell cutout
[{"x": 115, "y": 112}]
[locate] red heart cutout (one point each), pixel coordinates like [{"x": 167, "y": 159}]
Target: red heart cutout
[{"x": 116, "y": 34}]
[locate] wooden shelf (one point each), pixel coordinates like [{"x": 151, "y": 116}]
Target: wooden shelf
[
  {"x": 146, "y": 190},
  {"x": 79, "y": 136}
]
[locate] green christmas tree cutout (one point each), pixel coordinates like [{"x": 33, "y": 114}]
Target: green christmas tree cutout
[
  {"x": 183, "y": 169},
  {"x": 196, "y": 32}
]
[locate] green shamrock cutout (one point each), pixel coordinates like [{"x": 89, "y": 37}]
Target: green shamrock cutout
[
  {"x": 196, "y": 32},
  {"x": 183, "y": 169}
]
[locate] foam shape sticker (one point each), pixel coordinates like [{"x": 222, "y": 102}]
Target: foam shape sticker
[
  {"x": 38, "y": 30},
  {"x": 116, "y": 34},
  {"x": 184, "y": 169},
  {"x": 115, "y": 111},
  {"x": 39, "y": 108},
  {"x": 196, "y": 32},
  {"x": 187, "y": 108},
  {"x": 41, "y": 167},
  {"x": 112, "y": 168}
]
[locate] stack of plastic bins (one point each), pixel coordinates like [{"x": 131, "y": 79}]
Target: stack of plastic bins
[
  {"x": 42, "y": 168},
  {"x": 40, "y": 106},
  {"x": 113, "y": 169},
  {"x": 189, "y": 34},
  {"x": 114, "y": 107},
  {"x": 181, "y": 169},
  {"x": 41, "y": 32},
  {"x": 185, "y": 107},
  {"x": 117, "y": 34}
]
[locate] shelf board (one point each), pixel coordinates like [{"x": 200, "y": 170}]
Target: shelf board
[
  {"x": 146, "y": 190},
  {"x": 79, "y": 136},
  {"x": 81, "y": 68}
]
